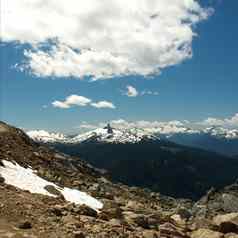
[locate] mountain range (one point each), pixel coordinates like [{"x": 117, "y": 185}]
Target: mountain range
[
  {"x": 150, "y": 159},
  {"x": 217, "y": 139}
]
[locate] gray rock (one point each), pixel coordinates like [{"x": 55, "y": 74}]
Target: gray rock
[
  {"x": 230, "y": 202},
  {"x": 78, "y": 234},
  {"x": 51, "y": 189},
  {"x": 184, "y": 213},
  {"x": 227, "y": 223},
  {"x": 87, "y": 211},
  {"x": 141, "y": 221},
  {"x": 2, "y": 180}
]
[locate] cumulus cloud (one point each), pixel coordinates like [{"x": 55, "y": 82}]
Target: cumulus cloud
[
  {"x": 155, "y": 126},
  {"x": 76, "y": 100},
  {"x": 167, "y": 127},
  {"x": 131, "y": 91},
  {"x": 103, "y": 104},
  {"x": 101, "y": 39},
  {"x": 226, "y": 122},
  {"x": 72, "y": 100},
  {"x": 60, "y": 104}
]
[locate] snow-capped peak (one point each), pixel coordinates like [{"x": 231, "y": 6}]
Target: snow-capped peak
[
  {"x": 106, "y": 134},
  {"x": 129, "y": 135},
  {"x": 44, "y": 136},
  {"x": 111, "y": 135},
  {"x": 222, "y": 132}
]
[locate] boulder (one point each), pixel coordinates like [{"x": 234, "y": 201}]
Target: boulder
[
  {"x": 111, "y": 210},
  {"x": 57, "y": 210},
  {"x": 2, "y": 180},
  {"x": 230, "y": 202},
  {"x": 141, "y": 221},
  {"x": 115, "y": 222},
  {"x": 70, "y": 222},
  {"x": 177, "y": 218},
  {"x": 52, "y": 190},
  {"x": 134, "y": 205},
  {"x": 78, "y": 234},
  {"x": 184, "y": 213},
  {"x": 226, "y": 223},
  {"x": 86, "y": 210},
  {"x": 24, "y": 225}
]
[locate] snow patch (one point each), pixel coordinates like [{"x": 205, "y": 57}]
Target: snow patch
[{"x": 26, "y": 179}]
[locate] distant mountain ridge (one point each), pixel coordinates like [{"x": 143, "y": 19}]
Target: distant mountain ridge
[
  {"x": 217, "y": 139},
  {"x": 106, "y": 134}
]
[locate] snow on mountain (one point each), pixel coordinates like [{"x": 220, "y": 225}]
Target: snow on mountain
[
  {"x": 222, "y": 132},
  {"x": 106, "y": 134},
  {"x": 44, "y": 136},
  {"x": 115, "y": 136},
  {"x": 130, "y": 135},
  {"x": 25, "y": 178}
]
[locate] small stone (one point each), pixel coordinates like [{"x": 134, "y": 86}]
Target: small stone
[
  {"x": 78, "y": 234},
  {"x": 52, "y": 190},
  {"x": 141, "y": 221},
  {"x": 184, "y": 213},
  {"x": 2, "y": 180},
  {"x": 87, "y": 211},
  {"x": 177, "y": 218},
  {"x": 56, "y": 210},
  {"x": 25, "y": 225},
  {"x": 115, "y": 222},
  {"x": 150, "y": 234}
]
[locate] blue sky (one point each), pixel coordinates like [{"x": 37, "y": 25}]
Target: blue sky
[{"x": 203, "y": 86}]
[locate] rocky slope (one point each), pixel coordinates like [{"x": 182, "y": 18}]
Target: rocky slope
[{"x": 127, "y": 211}]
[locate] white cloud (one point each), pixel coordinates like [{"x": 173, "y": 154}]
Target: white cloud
[
  {"x": 142, "y": 124},
  {"x": 226, "y": 122},
  {"x": 76, "y": 100},
  {"x": 167, "y": 127},
  {"x": 210, "y": 121},
  {"x": 72, "y": 100},
  {"x": 60, "y": 104},
  {"x": 103, "y": 104},
  {"x": 131, "y": 91},
  {"x": 102, "y": 39},
  {"x": 86, "y": 126}
]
